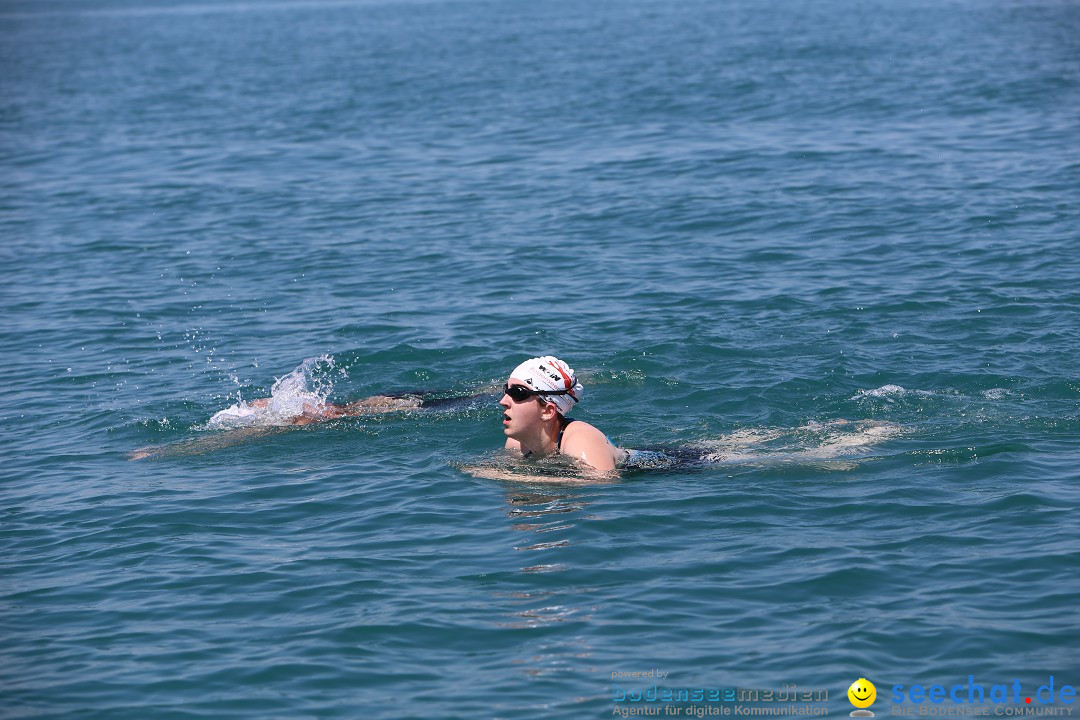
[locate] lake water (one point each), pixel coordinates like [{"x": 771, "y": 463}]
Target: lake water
[{"x": 741, "y": 221}]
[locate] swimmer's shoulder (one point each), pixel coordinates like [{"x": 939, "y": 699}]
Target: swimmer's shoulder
[
  {"x": 581, "y": 431},
  {"x": 585, "y": 442}
]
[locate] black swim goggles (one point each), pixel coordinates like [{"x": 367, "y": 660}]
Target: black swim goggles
[{"x": 520, "y": 393}]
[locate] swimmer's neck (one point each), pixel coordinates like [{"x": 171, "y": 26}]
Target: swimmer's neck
[{"x": 544, "y": 441}]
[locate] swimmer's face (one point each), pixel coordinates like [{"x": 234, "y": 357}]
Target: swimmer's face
[{"x": 519, "y": 417}]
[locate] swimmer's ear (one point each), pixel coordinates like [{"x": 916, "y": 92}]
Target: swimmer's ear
[{"x": 548, "y": 411}]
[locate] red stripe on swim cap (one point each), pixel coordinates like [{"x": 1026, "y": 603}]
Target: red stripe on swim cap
[{"x": 566, "y": 378}]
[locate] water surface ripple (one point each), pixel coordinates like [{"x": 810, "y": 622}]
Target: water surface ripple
[{"x": 742, "y": 221}]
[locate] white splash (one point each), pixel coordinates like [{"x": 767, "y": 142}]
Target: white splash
[
  {"x": 883, "y": 391},
  {"x": 304, "y": 389}
]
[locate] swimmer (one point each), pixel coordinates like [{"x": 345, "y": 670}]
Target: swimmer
[
  {"x": 248, "y": 421},
  {"x": 536, "y": 400}
]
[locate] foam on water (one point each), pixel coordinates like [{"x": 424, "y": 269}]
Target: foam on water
[
  {"x": 893, "y": 392},
  {"x": 807, "y": 443},
  {"x": 890, "y": 391}
]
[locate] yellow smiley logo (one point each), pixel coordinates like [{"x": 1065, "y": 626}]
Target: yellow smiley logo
[{"x": 862, "y": 693}]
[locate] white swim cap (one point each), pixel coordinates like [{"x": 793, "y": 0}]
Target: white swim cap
[{"x": 551, "y": 374}]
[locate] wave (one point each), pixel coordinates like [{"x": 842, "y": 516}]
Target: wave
[{"x": 897, "y": 392}]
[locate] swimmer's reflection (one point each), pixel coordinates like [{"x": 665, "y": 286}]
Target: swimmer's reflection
[
  {"x": 542, "y": 513},
  {"x": 200, "y": 445},
  {"x": 544, "y": 517}
]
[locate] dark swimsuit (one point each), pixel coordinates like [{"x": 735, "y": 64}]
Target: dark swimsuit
[{"x": 665, "y": 458}]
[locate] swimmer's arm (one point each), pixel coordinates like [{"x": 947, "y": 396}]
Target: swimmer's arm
[
  {"x": 373, "y": 405},
  {"x": 379, "y": 404},
  {"x": 376, "y": 405}
]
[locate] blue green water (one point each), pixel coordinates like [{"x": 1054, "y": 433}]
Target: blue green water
[{"x": 740, "y": 221}]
